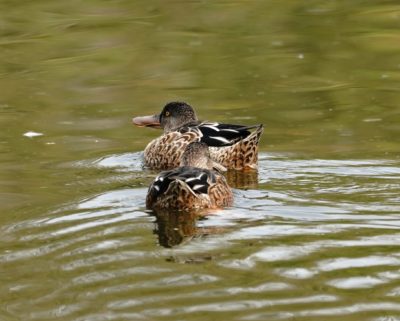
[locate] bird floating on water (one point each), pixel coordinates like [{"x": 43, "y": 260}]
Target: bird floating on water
[
  {"x": 195, "y": 184},
  {"x": 233, "y": 146}
]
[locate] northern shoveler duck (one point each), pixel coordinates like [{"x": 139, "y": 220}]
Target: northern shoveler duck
[
  {"x": 193, "y": 185},
  {"x": 233, "y": 146}
]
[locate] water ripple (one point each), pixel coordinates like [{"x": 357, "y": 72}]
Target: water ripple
[{"x": 299, "y": 229}]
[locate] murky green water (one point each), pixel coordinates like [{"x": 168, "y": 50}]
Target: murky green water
[{"x": 313, "y": 236}]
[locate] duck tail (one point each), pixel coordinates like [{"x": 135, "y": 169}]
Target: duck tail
[{"x": 241, "y": 155}]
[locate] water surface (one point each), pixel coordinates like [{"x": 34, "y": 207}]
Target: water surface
[{"x": 313, "y": 235}]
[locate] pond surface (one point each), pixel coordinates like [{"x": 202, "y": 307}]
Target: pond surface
[{"x": 313, "y": 235}]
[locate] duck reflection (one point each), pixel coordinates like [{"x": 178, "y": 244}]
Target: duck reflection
[
  {"x": 175, "y": 227},
  {"x": 247, "y": 179}
]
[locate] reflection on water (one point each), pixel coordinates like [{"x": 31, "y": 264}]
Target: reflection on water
[
  {"x": 173, "y": 228},
  {"x": 243, "y": 179},
  {"x": 305, "y": 248}
]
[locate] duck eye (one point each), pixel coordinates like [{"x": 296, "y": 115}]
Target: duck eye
[{"x": 167, "y": 113}]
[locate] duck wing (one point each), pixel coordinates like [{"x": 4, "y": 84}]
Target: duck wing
[
  {"x": 196, "y": 179},
  {"x": 218, "y": 134}
]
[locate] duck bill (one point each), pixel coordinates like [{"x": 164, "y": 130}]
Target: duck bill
[{"x": 147, "y": 121}]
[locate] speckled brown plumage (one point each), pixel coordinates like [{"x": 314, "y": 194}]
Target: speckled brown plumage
[
  {"x": 234, "y": 146},
  {"x": 220, "y": 193},
  {"x": 188, "y": 188},
  {"x": 165, "y": 151},
  {"x": 242, "y": 155},
  {"x": 179, "y": 196}
]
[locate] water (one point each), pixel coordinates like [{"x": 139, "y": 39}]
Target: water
[{"x": 312, "y": 236}]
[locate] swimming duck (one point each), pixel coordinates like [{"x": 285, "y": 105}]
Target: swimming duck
[
  {"x": 233, "y": 146},
  {"x": 193, "y": 185}
]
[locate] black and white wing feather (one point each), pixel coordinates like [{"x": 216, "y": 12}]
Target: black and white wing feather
[
  {"x": 198, "y": 180},
  {"x": 217, "y": 134}
]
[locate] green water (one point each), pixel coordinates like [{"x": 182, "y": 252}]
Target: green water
[{"x": 314, "y": 235}]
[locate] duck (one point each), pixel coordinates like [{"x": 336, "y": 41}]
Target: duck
[
  {"x": 196, "y": 184},
  {"x": 233, "y": 146}
]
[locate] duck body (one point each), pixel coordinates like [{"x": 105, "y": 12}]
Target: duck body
[
  {"x": 233, "y": 146},
  {"x": 192, "y": 185},
  {"x": 189, "y": 188}
]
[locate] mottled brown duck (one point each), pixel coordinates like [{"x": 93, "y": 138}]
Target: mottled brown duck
[
  {"x": 233, "y": 146},
  {"x": 193, "y": 185}
]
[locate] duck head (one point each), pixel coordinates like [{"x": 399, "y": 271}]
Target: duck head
[
  {"x": 196, "y": 154},
  {"x": 174, "y": 115}
]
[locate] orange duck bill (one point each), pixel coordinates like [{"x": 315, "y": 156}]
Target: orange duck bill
[{"x": 147, "y": 121}]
